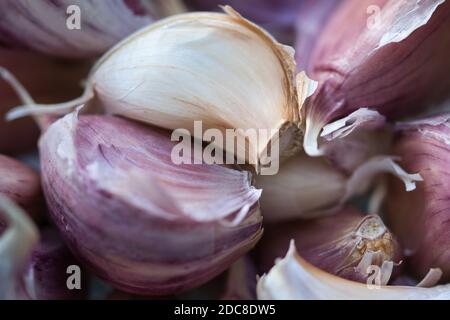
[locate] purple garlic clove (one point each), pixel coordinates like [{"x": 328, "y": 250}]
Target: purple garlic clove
[
  {"x": 141, "y": 222},
  {"x": 345, "y": 244}
]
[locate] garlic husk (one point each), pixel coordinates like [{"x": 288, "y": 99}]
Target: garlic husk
[
  {"x": 277, "y": 17},
  {"x": 293, "y": 278},
  {"x": 344, "y": 244},
  {"x": 22, "y": 185},
  {"x": 143, "y": 223},
  {"x": 51, "y": 81},
  {"x": 77, "y": 28},
  {"x": 391, "y": 62},
  {"x": 200, "y": 67},
  {"x": 307, "y": 187},
  {"x": 419, "y": 218}
]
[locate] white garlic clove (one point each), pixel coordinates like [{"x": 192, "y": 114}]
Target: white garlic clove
[
  {"x": 200, "y": 67},
  {"x": 293, "y": 278},
  {"x": 140, "y": 221}
]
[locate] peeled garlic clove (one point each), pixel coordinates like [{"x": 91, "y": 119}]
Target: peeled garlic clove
[
  {"x": 293, "y": 278},
  {"x": 200, "y": 67},
  {"x": 138, "y": 220},
  {"x": 22, "y": 185},
  {"x": 344, "y": 244},
  {"x": 419, "y": 218},
  {"x": 307, "y": 187},
  {"x": 76, "y": 28},
  {"x": 51, "y": 81},
  {"x": 376, "y": 55}
]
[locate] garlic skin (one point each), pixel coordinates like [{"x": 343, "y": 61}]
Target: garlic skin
[
  {"x": 139, "y": 221},
  {"x": 391, "y": 62},
  {"x": 292, "y": 278},
  {"x": 77, "y": 28},
  {"x": 51, "y": 81},
  {"x": 22, "y": 185},
  {"x": 419, "y": 218},
  {"x": 298, "y": 189},
  {"x": 344, "y": 244},
  {"x": 216, "y": 80}
]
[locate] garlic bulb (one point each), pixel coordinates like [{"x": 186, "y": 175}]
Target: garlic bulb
[
  {"x": 307, "y": 187},
  {"x": 138, "y": 220},
  {"x": 295, "y": 279},
  {"x": 200, "y": 67},
  {"x": 419, "y": 218},
  {"x": 51, "y": 81},
  {"x": 345, "y": 244},
  {"x": 374, "y": 59},
  {"x": 77, "y": 28},
  {"x": 22, "y": 185}
]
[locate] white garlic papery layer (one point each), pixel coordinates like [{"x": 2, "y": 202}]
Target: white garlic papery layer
[{"x": 293, "y": 278}]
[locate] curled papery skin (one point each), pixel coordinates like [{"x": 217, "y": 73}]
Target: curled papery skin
[
  {"x": 388, "y": 57},
  {"x": 138, "y": 220},
  {"x": 307, "y": 187},
  {"x": 200, "y": 67},
  {"x": 345, "y": 244},
  {"x": 277, "y": 17},
  {"x": 293, "y": 278},
  {"x": 22, "y": 185},
  {"x": 49, "y": 81},
  {"x": 420, "y": 218},
  {"x": 76, "y": 28}
]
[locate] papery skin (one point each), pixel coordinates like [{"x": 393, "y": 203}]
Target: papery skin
[
  {"x": 332, "y": 243},
  {"x": 22, "y": 185},
  {"x": 48, "y": 81},
  {"x": 139, "y": 221},
  {"x": 396, "y": 67},
  {"x": 43, "y": 25},
  {"x": 420, "y": 218},
  {"x": 293, "y": 278}
]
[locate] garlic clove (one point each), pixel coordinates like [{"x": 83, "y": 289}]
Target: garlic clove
[
  {"x": 419, "y": 218},
  {"x": 376, "y": 55},
  {"x": 293, "y": 278},
  {"x": 76, "y": 28},
  {"x": 22, "y": 185},
  {"x": 200, "y": 67},
  {"x": 138, "y": 220},
  {"x": 344, "y": 244},
  {"x": 51, "y": 81},
  {"x": 298, "y": 189}
]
